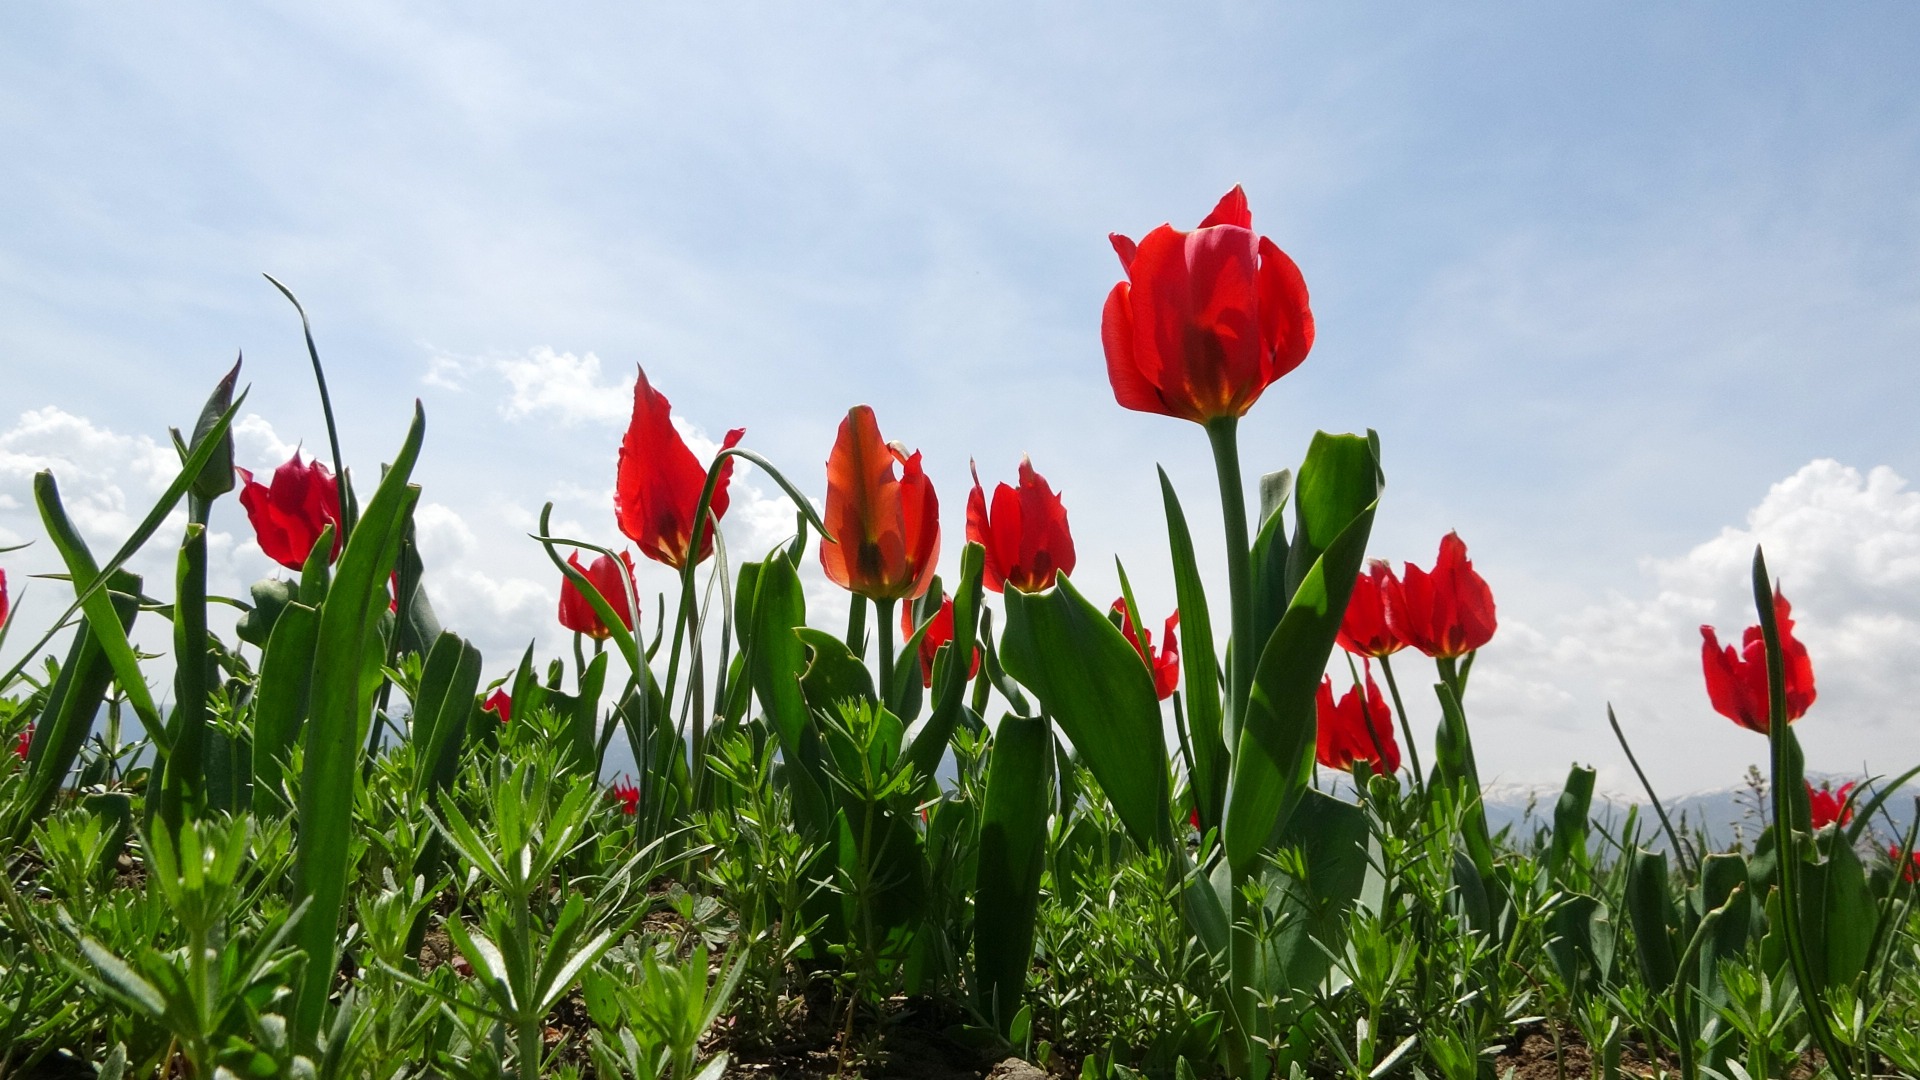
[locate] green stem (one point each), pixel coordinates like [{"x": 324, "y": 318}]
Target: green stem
[
  {"x": 1244, "y": 652},
  {"x": 1406, "y": 730},
  {"x": 857, "y": 626},
  {"x": 883, "y": 609}
]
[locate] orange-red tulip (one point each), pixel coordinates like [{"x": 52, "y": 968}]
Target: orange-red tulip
[
  {"x": 939, "y": 632},
  {"x": 1026, "y": 535},
  {"x": 886, "y": 527},
  {"x": 289, "y": 513},
  {"x": 1364, "y": 630},
  {"x": 1164, "y": 662},
  {"x": 612, "y": 579},
  {"x": 659, "y": 481},
  {"x": 500, "y": 704},
  {"x": 1737, "y": 680},
  {"x": 1446, "y": 613},
  {"x": 1206, "y": 320},
  {"x": 1828, "y": 806},
  {"x": 627, "y": 795},
  {"x": 1356, "y": 728},
  {"x": 1908, "y": 861}
]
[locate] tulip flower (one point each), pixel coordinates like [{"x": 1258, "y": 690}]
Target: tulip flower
[
  {"x": 1164, "y": 662},
  {"x": 627, "y": 795},
  {"x": 24, "y": 743},
  {"x": 605, "y": 574},
  {"x": 289, "y": 513},
  {"x": 1356, "y": 728},
  {"x": 1206, "y": 320},
  {"x": 499, "y": 704},
  {"x": 1908, "y": 861},
  {"x": 1026, "y": 534},
  {"x": 658, "y": 483},
  {"x": 886, "y": 528},
  {"x": 939, "y": 632},
  {"x": 3, "y": 598},
  {"x": 1828, "y": 806},
  {"x": 1737, "y": 679},
  {"x": 1364, "y": 630},
  {"x": 1447, "y": 613}
]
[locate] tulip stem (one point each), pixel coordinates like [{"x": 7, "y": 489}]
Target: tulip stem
[
  {"x": 1406, "y": 729},
  {"x": 1243, "y": 651},
  {"x": 884, "y": 610}
]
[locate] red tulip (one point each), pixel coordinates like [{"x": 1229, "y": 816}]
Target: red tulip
[
  {"x": 1206, "y": 320},
  {"x": 658, "y": 484},
  {"x": 3, "y": 598},
  {"x": 1829, "y": 806},
  {"x": 886, "y": 529},
  {"x": 628, "y": 795},
  {"x": 1364, "y": 630},
  {"x": 577, "y": 614},
  {"x": 1164, "y": 662},
  {"x": 1737, "y": 680},
  {"x": 1357, "y": 728},
  {"x": 24, "y": 743},
  {"x": 1446, "y": 613},
  {"x": 1026, "y": 537},
  {"x": 939, "y": 632},
  {"x": 1909, "y": 861},
  {"x": 289, "y": 513},
  {"x": 499, "y": 704}
]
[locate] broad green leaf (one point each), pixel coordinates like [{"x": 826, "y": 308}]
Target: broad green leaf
[
  {"x": 1199, "y": 665},
  {"x": 442, "y": 710},
  {"x": 1275, "y": 756},
  {"x": 951, "y": 666},
  {"x": 1311, "y": 909},
  {"x": 1013, "y": 832},
  {"x": 280, "y": 701},
  {"x": 72, "y": 702},
  {"x": 1650, "y": 913},
  {"x": 1570, "y": 824},
  {"x": 105, "y": 624},
  {"x": 775, "y": 659},
  {"x": 183, "y": 788},
  {"x": 331, "y": 759},
  {"x": 1091, "y": 681}
]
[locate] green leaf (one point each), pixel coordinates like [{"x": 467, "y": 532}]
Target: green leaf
[
  {"x": 215, "y": 478},
  {"x": 349, "y": 620},
  {"x": 183, "y": 789},
  {"x": 775, "y": 659},
  {"x": 951, "y": 666},
  {"x": 72, "y": 702},
  {"x": 1200, "y": 667},
  {"x": 443, "y": 708},
  {"x": 1570, "y": 825},
  {"x": 1274, "y": 759},
  {"x": 101, "y": 619},
  {"x": 1650, "y": 913},
  {"x": 1311, "y": 909},
  {"x": 1091, "y": 681},
  {"x": 280, "y": 701},
  {"x": 1013, "y": 831}
]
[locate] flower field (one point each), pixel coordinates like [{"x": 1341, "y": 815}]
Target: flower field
[{"x": 993, "y": 825}]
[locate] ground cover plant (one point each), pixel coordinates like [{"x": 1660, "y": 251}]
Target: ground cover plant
[{"x": 988, "y": 820}]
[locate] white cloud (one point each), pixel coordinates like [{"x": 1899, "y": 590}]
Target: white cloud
[
  {"x": 543, "y": 382},
  {"x": 1845, "y": 546}
]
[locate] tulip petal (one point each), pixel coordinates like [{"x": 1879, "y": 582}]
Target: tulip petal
[{"x": 1230, "y": 210}]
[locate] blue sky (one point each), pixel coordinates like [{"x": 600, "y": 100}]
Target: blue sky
[{"x": 1612, "y": 282}]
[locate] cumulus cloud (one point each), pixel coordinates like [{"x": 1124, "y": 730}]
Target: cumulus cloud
[
  {"x": 1845, "y": 546},
  {"x": 543, "y": 382}
]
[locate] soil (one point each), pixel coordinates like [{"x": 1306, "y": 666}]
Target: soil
[{"x": 912, "y": 1042}]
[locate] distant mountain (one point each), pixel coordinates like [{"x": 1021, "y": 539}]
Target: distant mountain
[{"x": 1727, "y": 816}]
